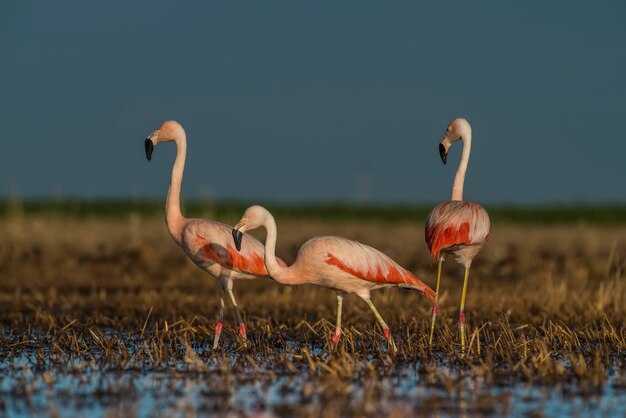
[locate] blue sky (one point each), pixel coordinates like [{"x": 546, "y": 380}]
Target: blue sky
[{"x": 314, "y": 101}]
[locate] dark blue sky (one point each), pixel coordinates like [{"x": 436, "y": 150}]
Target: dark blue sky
[{"x": 318, "y": 101}]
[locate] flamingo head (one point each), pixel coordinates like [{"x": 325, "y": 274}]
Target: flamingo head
[
  {"x": 253, "y": 218},
  {"x": 458, "y": 129},
  {"x": 167, "y": 131}
]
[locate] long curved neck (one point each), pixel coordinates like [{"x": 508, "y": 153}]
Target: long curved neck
[
  {"x": 283, "y": 275},
  {"x": 459, "y": 179},
  {"x": 173, "y": 217}
]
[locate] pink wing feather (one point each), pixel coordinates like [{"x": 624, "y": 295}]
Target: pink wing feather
[{"x": 369, "y": 264}]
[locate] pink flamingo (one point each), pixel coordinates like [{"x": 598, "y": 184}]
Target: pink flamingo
[
  {"x": 337, "y": 263},
  {"x": 207, "y": 243},
  {"x": 456, "y": 227}
]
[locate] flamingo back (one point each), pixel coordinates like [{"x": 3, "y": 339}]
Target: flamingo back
[
  {"x": 209, "y": 243},
  {"x": 456, "y": 223},
  {"x": 361, "y": 261}
]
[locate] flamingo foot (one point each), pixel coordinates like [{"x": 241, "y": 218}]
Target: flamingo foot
[
  {"x": 242, "y": 331},
  {"x": 462, "y": 319},
  {"x": 336, "y": 337},
  {"x": 387, "y": 333}
]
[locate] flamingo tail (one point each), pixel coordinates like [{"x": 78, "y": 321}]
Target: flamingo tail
[
  {"x": 417, "y": 284},
  {"x": 430, "y": 294}
]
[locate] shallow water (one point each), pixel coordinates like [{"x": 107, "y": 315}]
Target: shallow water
[{"x": 249, "y": 385}]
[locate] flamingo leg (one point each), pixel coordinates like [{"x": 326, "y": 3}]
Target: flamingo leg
[
  {"x": 220, "y": 322},
  {"x": 386, "y": 329},
  {"x": 242, "y": 326},
  {"x": 462, "y": 311},
  {"x": 337, "y": 333},
  {"x": 435, "y": 306}
]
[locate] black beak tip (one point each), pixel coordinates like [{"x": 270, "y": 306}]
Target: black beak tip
[
  {"x": 149, "y": 148},
  {"x": 237, "y": 237},
  {"x": 443, "y": 153}
]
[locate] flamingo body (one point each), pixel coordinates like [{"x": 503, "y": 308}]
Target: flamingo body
[
  {"x": 352, "y": 267},
  {"x": 337, "y": 263},
  {"x": 207, "y": 243},
  {"x": 457, "y": 227}
]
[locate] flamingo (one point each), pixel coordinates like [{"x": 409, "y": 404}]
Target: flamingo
[
  {"x": 337, "y": 263},
  {"x": 456, "y": 227},
  {"x": 207, "y": 243}
]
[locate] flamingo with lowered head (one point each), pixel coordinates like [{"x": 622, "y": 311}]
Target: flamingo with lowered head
[
  {"x": 456, "y": 227},
  {"x": 337, "y": 263},
  {"x": 207, "y": 243}
]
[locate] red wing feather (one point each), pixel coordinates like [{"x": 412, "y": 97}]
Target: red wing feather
[
  {"x": 440, "y": 237},
  {"x": 456, "y": 223},
  {"x": 229, "y": 257},
  {"x": 389, "y": 273}
]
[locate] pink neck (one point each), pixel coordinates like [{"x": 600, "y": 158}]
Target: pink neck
[
  {"x": 283, "y": 275},
  {"x": 173, "y": 217},
  {"x": 459, "y": 179}
]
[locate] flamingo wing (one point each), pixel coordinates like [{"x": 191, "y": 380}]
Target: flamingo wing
[
  {"x": 217, "y": 245},
  {"x": 369, "y": 264},
  {"x": 456, "y": 223}
]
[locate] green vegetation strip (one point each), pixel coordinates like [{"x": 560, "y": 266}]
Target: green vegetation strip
[{"x": 554, "y": 214}]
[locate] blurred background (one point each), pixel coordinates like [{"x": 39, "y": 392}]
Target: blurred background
[
  {"x": 329, "y": 113},
  {"x": 288, "y": 102}
]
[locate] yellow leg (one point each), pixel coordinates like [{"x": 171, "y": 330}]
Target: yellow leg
[
  {"x": 386, "y": 330},
  {"x": 337, "y": 333},
  {"x": 435, "y": 307},
  {"x": 462, "y": 311},
  {"x": 242, "y": 326}
]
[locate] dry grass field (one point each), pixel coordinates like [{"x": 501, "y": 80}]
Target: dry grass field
[{"x": 109, "y": 318}]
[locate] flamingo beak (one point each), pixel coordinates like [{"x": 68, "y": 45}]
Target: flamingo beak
[
  {"x": 150, "y": 143},
  {"x": 149, "y": 148},
  {"x": 443, "y": 153},
  {"x": 444, "y": 146},
  {"x": 237, "y": 237}
]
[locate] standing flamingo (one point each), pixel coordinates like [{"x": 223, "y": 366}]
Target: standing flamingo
[
  {"x": 337, "y": 263},
  {"x": 456, "y": 227},
  {"x": 207, "y": 243}
]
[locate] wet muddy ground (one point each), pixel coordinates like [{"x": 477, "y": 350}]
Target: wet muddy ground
[
  {"x": 108, "y": 318},
  {"x": 299, "y": 378}
]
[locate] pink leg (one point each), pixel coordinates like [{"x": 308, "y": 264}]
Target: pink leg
[{"x": 220, "y": 324}]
